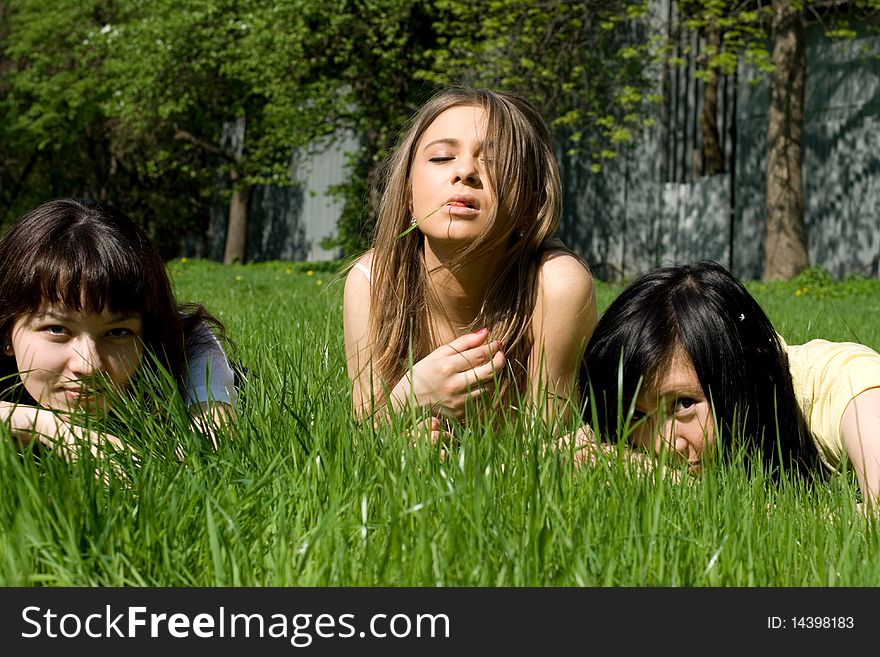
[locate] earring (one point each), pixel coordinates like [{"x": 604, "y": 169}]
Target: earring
[
  {"x": 7, "y": 349},
  {"x": 520, "y": 233},
  {"x": 412, "y": 222}
]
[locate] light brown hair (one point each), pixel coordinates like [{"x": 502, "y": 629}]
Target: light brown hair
[{"x": 524, "y": 176}]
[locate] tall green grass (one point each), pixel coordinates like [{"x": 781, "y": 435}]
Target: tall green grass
[{"x": 300, "y": 494}]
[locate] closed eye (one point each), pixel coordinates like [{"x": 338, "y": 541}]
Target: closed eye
[{"x": 441, "y": 158}]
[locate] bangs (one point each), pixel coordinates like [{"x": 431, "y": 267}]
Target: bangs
[{"x": 82, "y": 277}]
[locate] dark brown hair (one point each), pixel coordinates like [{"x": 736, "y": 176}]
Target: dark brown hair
[{"x": 89, "y": 257}]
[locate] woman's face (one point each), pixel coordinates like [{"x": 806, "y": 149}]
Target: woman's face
[
  {"x": 66, "y": 358},
  {"x": 451, "y": 195},
  {"x": 674, "y": 414}
]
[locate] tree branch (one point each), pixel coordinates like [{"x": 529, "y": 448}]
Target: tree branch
[{"x": 185, "y": 135}]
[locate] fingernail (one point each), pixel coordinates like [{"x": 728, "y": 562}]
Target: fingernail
[{"x": 482, "y": 330}]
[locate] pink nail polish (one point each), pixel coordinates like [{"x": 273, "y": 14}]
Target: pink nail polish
[{"x": 482, "y": 330}]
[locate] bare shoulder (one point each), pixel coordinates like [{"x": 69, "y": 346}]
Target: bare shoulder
[
  {"x": 561, "y": 276},
  {"x": 356, "y": 297},
  {"x": 359, "y": 274},
  {"x": 356, "y": 316},
  {"x": 364, "y": 264}
]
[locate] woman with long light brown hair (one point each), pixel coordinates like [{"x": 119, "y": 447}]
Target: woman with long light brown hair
[{"x": 465, "y": 296}]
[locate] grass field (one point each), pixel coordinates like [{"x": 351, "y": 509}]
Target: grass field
[{"x": 300, "y": 494}]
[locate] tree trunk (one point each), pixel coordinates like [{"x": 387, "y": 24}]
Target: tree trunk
[
  {"x": 712, "y": 155},
  {"x": 785, "y": 244},
  {"x": 236, "y": 230}
]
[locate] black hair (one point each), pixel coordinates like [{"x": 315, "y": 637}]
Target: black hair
[{"x": 736, "y": 353}]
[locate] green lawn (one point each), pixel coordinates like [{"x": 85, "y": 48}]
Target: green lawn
[{"x": 302, "y": 495}]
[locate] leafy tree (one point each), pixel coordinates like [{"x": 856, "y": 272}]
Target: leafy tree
[
  {"x": 49, "y": 103},
  {"x": 218, "y": 82},
  {"x": 57, "y": 139},
  {"x": 575, "y": 60},
  {"x": 585, "y": 65},
  {"x": 769, "y": 36}
]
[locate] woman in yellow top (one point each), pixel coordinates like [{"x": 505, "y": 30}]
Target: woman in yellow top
[
  {"x": 452, "y": 303},
  {"x": 698, "y": 367}
]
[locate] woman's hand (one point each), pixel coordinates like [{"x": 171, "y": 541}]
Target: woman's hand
[
  {"x": 430, "y": 431},
  {"x": 586, "y": 449},
  {"x": 452, "y": 375},
  {"x": 213, "y": 419},
  {"x": 54, "y": 430}
]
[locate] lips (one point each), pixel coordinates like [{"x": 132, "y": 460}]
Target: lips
[
  {"x": 80, "y": 395},
  {"x": 463, "y": 201}
]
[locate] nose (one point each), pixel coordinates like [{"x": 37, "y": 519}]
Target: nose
[
  {"x": 85, "y": 357},
  {"x": 467, "y": 171},
  {"x": 670, "y": 439}
]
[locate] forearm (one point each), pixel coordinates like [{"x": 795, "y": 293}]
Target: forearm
[
  {"x": 32, "y": 423},
  {"x": 860, "y": 431},
  {"x": 213, "y": 419},
  {"x": 381, "y": 404}
]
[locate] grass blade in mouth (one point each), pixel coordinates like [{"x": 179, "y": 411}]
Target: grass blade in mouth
[{"x": 418, "y": 223}]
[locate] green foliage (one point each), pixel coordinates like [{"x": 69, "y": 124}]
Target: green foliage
[
  {"x": 744, "y": 29},
  {"x": 137, "y": 103},
  {"x": 58, "y": 138},
  {"x": 222, "y": 78},
  {"x": 583, "y": 64},
  {"x": 817, "y": 282},
  {"x": 49, "y": 103}
]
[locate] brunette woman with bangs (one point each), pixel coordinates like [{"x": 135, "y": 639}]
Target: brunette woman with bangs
[
  {"x": 453, "y": 303},
  {"x": 685, "y": 360},
  {"x": 85, "y": 306}
]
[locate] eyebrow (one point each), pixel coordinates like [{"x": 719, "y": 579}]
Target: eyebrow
[
  {"x": 679, "y": 390},
  {"x": 449, "y": 141},
  {"x": 452, "y": 141}
]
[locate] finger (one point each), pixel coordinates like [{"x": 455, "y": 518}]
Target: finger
[
  {"x": 485, "y": 373},
  {"x": 467, "y": 341},
  {"x": 485, "y": 389},
  {"x": 479, "y": 355},
  {"x": 431, "y": 428}
]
